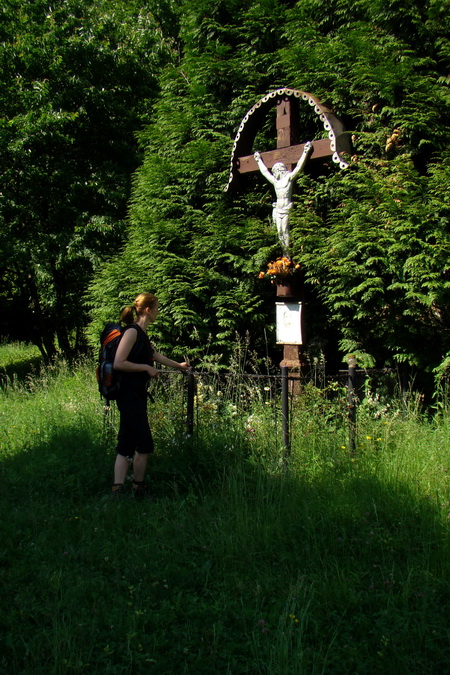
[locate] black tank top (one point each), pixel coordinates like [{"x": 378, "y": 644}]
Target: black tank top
[{"x": 141, "y": 352}]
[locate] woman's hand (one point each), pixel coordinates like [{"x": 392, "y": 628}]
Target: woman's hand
[
  {"x": 153, "y": 372},
  {"x": 164, "y": 361}
]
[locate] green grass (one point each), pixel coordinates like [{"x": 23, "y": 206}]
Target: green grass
[
  {"x": 17, "y": 361},
  {"x": 337, "y": 563}
]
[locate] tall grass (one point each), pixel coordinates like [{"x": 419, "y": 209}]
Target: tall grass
[{"x": 335, "y": 563}]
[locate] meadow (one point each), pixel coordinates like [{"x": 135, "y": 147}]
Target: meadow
[{"x": 332, "y": 562}]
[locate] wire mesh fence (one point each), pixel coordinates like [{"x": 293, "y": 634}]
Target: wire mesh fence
[{"x": 202, "y": 396}]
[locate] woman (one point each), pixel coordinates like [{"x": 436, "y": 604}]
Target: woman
[{"x": 134, "y": 358}]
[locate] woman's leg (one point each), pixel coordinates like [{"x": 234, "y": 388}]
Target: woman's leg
[
  {"x": 139, "y": 466},
  {"x": 120, "y": 469},
  {"x": 134, "y": 439}
]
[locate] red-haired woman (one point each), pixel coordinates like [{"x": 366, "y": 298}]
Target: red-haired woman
[{"x": 134, "y": 358}]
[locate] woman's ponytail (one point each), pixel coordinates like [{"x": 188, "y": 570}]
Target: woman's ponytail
[
  {"x": 128, "y": 315},
  {"x": 143, "y": 300}
]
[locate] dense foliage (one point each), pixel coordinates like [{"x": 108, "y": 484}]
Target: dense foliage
[
  {"x": 373, "y": 240},
  {"x": 77, "y": 80},
  {"x": 197, "y": 248},
  {"x": 376, "y": 242}
]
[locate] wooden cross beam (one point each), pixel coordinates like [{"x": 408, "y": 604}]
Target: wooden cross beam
[
  {"x": 289, "y": 148},
  {"x": 288, "y": 155}
]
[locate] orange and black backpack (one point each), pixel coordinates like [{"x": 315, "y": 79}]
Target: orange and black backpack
[{"x": 108, "y": 379}]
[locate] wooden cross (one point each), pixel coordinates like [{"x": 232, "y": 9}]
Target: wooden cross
[{"x": 289, "y": 148}]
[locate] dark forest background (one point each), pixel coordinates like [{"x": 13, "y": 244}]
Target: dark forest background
[{"x": 117, "y": 121}]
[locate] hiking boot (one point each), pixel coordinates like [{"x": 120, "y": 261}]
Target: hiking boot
[
  {"x": 118, "y": 491},
  {"x": 140, "y": 490}
]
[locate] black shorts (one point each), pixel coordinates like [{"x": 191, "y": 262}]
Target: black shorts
[{"x": 134, "y": 430}]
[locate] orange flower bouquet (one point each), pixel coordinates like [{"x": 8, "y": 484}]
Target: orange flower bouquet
[{"x": 279, "y": 269}]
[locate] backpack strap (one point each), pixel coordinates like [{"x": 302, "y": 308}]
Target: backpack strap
[{"x": 111, "y": 336}]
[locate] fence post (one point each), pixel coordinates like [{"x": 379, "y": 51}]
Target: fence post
[
  {"x": 190, "y": 401},
  {"x": 351, "y": 402},
  {"x": 285, "y": 409}
]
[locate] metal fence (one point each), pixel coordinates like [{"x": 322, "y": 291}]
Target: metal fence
[{"x": 281, "y": 388}]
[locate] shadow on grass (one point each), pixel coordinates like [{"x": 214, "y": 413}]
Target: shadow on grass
[
  {"x": 232, "y": 570},
  {"x": 21, "y": 370}
]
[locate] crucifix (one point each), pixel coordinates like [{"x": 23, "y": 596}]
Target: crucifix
[
  {"x": 283, "y": 182},
  {"x": 286, "y": 161}
]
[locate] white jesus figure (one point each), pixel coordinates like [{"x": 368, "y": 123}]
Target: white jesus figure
[{"x": 283, "y": 181}]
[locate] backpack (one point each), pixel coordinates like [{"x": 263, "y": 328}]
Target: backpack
[{"x": 108, "y": 379}]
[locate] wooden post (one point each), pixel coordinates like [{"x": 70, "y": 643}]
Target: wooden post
[
  {"x": 287, "y": 126},
  {"x": 292, "y": 353},
  {"x": 190, "y": 401},
  {"x": 351, "y": 402},
  {"x": 285, "y": 410}
]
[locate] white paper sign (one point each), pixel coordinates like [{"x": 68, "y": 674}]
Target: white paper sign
[{"x": 289, "y": 323}]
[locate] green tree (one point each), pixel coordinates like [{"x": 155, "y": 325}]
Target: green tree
[
  {"x": 373, "y": 241},
  {"x": 197, "y": 248},
  {"x": 77, "y": 81}
]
